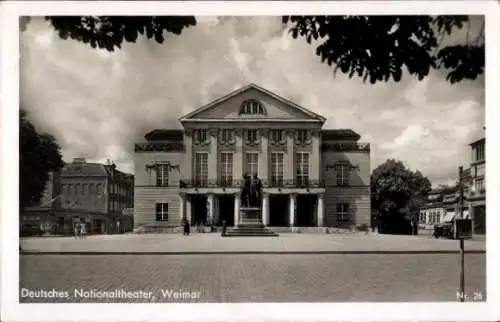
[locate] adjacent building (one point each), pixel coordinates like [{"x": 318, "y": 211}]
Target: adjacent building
[
  {"x": 442, "y": 204},
  {"x": 311, "y": 177},
  {"x": 476, "y": 190},
  {"x": 37, "y": 219}
]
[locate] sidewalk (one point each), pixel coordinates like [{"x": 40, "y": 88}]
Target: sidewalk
[{"x": 214, "y": 243}]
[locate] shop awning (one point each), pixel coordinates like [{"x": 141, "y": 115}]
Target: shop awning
[{"x": 449, "y": 217}]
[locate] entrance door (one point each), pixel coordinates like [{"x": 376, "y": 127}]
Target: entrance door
[
  {"x": 306, "y": 206},
  {"x": 278, "y": 210},
  {"x": 226, "y": 210},
  {"x": 479, "y": 220},
  {"x": 199, "y": 206}
]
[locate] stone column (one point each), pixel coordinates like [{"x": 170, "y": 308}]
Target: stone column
[
  {"x": 291, "y": 209},
  {"x": 216, "y": 211},
  {"x": 314, "y": 163},
  {"x": 188, "y": 155},
  {"x": 263, "y": 157},
  {"x": 321, "y": 211},
  {"x": 471, "y": 215},
  {"x": 265, "y": 209},
  {"x": 237, "y": 203},
  {"x": 182, "y": 206},
  {"x": 289, "y": 166},
  {"x": 210, "y": 208},
  {"x": 189, "y": 210},
  {"x": 212, "y": 157},
  {"x": 238, "y": 156}
]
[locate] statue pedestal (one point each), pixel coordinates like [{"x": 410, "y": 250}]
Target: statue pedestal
[{"x": 250, "y": 216}]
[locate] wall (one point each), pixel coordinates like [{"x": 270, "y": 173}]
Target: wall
[
  {"x": 357, "y": 194},
  {"x": 85, "y": 198},
  {"x": 145, "y": 177}
]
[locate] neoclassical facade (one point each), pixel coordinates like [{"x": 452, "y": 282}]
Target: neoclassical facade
[{"x": 311, "y": 177}]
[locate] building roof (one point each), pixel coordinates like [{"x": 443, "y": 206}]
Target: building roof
[
  {"x": 84, "y": 169},
  {"x": 256, "y": 87},
  {"x": 477, "y": 141},
  {"x": 164, "y": 135},
  {"x": 340, "y": 134}
]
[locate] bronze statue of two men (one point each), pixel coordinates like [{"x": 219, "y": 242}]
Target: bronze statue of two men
[{"x": 251, "y": 194}]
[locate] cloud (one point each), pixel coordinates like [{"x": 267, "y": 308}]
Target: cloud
[{"x": 98, "y": 104}]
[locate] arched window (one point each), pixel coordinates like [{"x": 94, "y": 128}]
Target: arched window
[{"x": 252, "y": 106}]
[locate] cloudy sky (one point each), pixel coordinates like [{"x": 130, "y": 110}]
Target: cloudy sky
[{"x": 97, "y": 104}]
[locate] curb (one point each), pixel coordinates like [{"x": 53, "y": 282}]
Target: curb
[{"x": 354, "y": 252}]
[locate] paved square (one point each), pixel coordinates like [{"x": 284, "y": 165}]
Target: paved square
[
  {"x": 257, "y": 278},
  {"x": 287, "y": 242}
]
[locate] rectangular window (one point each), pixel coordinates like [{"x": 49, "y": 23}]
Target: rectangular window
[
  {"x": 162, "y": 174},
  {"x": 162, "y": 212},
  {"x": 480, "y": 152},
  {"x": 252, "y": 136},
  {"x": 201, "y": 168},
  {"x": 342, "y": 171},
  {"x": 342, "y": 211},
  {"x": 252, "y": 164},
  {"x": 479, "y": 185},
  {"x": 226, "y": 168},
  {"x": 302, "y": 136},
  {"x": 302, "y": 168},
  {"x": 226, "y": 135},
  {"x": 277, "y": 136},
  {"x": 200, "y": 135},
  {"x": 277, "y": 168}
]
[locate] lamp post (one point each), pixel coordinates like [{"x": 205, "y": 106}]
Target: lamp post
[{"x": 460, "y": 235}]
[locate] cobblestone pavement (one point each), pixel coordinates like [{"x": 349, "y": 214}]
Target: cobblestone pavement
[
  {"x": 215, "y": 243},
  {"x": 257, "y": 278}
]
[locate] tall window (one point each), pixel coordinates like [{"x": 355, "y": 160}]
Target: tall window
[
  {"x": 252, "y": 136},
  {"x": 162, "y": 174},
  {"x": 252, "y": 163},
  {"x": 479, "y": 185},
  {"x": 162, "y": 211},
  {"x": 201, "y": 168},
  {"x": 277, "y": 136},
  {"x": 342, "y": 171},
  {"x": 226, "y": 168},
  {"x": 342, "y": 211},
  {"x": 277, "y": 168},
  {"x": 480, "y": 152},
  {"x": 200, "y": 135},
  {"x": 302, "y": 168}
]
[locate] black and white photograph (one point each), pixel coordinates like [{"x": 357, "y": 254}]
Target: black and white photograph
[{"x": 177, "y": 158}]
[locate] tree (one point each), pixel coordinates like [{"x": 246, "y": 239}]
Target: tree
[
  {"x": 108, "y": 32},
  {"x": 396, "y": 193},
  {"x": 380, "y": 47},
  {"x": 38, "y": 155},
  {"x": 372, "y": 47}
]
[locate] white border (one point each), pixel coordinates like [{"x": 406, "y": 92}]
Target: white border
[{"x": 12, "y": 310}]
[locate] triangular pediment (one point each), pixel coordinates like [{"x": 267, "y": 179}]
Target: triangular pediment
[{"x": 229, "y": 107}]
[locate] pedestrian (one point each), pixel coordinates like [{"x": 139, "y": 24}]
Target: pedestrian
[
  {"x": 224, "y": 227},
  {"x": 83, "y": 232},
  {"x": 186, "y": 227},
  {"x": 75, "y": 230}
]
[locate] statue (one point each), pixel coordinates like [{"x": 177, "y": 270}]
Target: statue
[
  {"x": 246, "y": 191},
  {"x": 256, "y": 191}
]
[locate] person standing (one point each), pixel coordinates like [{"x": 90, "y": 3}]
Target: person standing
[
  {"x": 75, "y": 230},
  {"x": 83, "y": 231}
]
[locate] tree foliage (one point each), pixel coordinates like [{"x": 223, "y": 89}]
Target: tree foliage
[
  {"x": 378, "y": 48},
  {"x": 397, "y": 191},
  {"x": 108, "y": 32},
  {"x": 38, "y": 155}
]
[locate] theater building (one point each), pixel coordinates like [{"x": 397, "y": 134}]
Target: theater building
[{"x": 312, "y": 177}]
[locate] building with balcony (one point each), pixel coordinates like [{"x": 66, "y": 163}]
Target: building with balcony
[
  {"x": 96, "y": 194},
  {"x": 311, "y": 177},
  {"x": 476, "y": 186}
]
